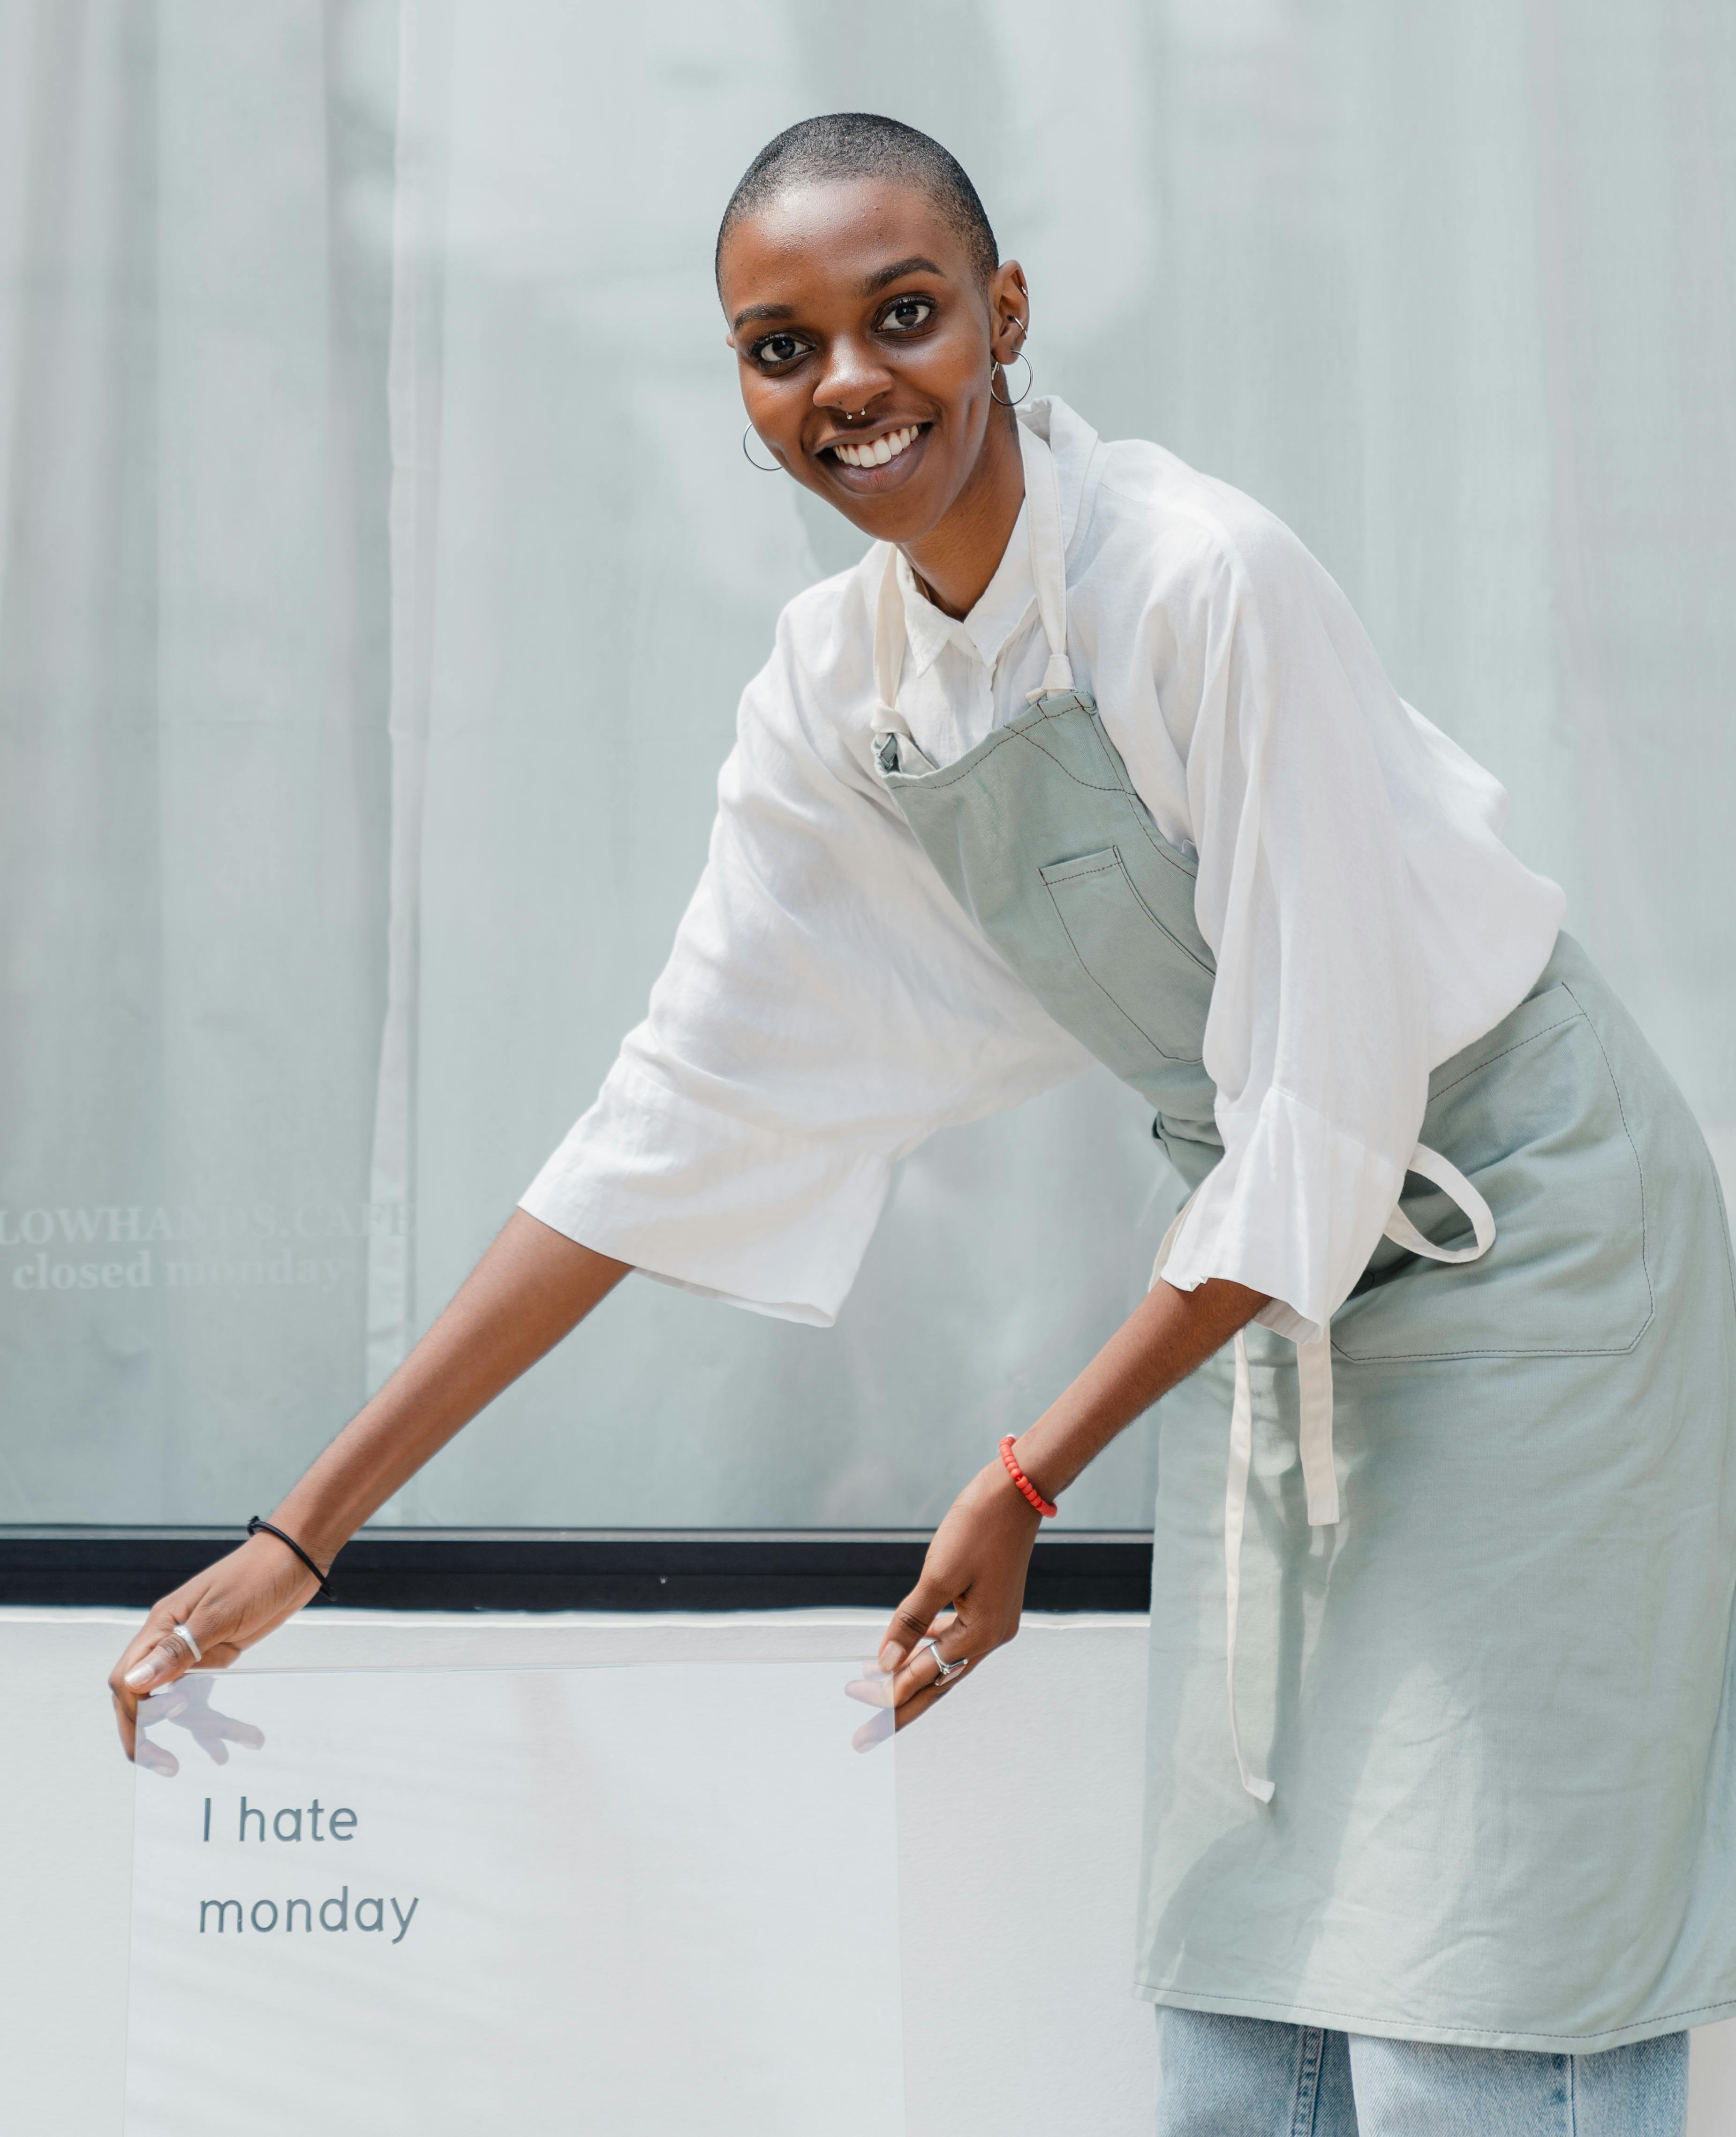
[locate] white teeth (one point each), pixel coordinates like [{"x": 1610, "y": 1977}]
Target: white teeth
[{"x": 882, "y": 450}]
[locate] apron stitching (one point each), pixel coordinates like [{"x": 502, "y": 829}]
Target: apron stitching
[
  {"x": 1599, "y": 1351},
  {"x": 1426, "y": 1357},
  {"x": 949, "y": 775},
  {"x": 1160, "y": 845},
  {"x": 1167, "y": 933},
  {"x": 1092, "y": 977},
  {"x": 1191, "y": 956},
  {"x": 1090, "y": 786},
  {"x": 1367, "y": 2018},
  {"x": 1153, "y": 839},
  {"x": 1489, "y": 1060},
  {"x": 1729, "y": 1244},
  {"x": 1645, "y": 1262}
]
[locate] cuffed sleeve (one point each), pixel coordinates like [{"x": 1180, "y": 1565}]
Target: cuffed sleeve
[
  {"x": 1318, "y": 1037},
  {"x": 712, "y": 1203},
  {"x": 1291, "y": 1210}
]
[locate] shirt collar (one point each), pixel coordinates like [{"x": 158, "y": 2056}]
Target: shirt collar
[{"x": 1010, "y": 596}]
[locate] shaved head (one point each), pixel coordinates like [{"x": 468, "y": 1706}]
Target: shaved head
[{"x": 861, "y": 144}]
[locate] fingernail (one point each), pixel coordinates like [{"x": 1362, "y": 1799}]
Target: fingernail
[
  {"x": 890, "y": 1657},
  {"x": 140, "y": 1673}
]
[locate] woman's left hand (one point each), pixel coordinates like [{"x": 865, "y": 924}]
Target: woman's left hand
[{"x": 976, "y": 1563}]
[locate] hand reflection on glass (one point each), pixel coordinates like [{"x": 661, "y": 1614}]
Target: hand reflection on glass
[
  {"x": 185, "y": 1704},
  {"x": 916, "y": 1680},
  {"x": 874, "y": 1688}
]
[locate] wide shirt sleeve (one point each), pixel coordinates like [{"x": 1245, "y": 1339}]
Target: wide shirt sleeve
[
  {"x": 825, "y": 1006},
  {"x": 1365, "y": 917}
]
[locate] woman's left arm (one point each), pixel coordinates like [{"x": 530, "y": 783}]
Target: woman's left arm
[{"x": 976, "y": 1563}]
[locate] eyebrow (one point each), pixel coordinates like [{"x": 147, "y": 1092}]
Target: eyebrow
[
  {"x": 762, "y": 312},
  {"x": 916, "y": 265}
]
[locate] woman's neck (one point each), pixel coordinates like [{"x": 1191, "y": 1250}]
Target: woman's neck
[{"x": 958, "y": 555}]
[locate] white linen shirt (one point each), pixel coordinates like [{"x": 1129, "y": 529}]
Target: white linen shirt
[{"x": 827, "y": 1004}]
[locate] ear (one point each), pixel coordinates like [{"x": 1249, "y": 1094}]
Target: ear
[{"x": 1009, "y": 311}]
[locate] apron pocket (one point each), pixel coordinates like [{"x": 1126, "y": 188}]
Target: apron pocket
[
  {"x": 1148, "y": 979},
  {"x": 1531, "y": 1114}
]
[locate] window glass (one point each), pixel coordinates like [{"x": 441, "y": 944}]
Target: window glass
[{"x": 381, "y": 570}]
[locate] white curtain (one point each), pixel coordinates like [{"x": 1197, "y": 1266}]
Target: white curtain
[{"x": 379, "y": 569}]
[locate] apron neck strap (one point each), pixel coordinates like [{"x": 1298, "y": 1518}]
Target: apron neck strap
[
  {"x": 889, "y": 647},
  {"x": 1048, "y": 571},
  {"x": 1048, "y": 560}
]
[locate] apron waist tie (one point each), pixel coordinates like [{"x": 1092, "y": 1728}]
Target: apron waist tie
[{"x": 1314, "y": 1391}]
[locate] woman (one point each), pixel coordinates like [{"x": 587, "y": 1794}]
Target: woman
[{"x": 1088, "y": 758}]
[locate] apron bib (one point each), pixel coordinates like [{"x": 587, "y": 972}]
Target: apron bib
[{"x": 1484, "y": 1625}]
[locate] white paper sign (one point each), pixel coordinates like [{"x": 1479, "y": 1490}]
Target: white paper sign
[{"x": 636, "y": 1901}]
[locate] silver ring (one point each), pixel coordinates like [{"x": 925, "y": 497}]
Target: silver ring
[
  {"x": 194, "y": 1649},
  {"x": 944, "y": 1671}
]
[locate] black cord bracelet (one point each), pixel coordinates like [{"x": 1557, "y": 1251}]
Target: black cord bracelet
[{"x": 254, "y": 1528}]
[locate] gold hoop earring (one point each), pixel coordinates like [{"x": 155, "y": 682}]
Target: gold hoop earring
[
  {"x": 1029, "y": 378},
  {"x": 777, "y": 466}
]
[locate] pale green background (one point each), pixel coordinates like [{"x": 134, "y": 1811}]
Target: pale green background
[{"x": 379, "y": 569}]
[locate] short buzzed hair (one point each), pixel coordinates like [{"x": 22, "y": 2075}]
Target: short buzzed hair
[{"x": 861, "y": 144}]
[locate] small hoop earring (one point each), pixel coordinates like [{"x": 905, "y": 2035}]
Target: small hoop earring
[
  {"x": 776, "y": 467},
  {"x": 1029, "y": 378}
]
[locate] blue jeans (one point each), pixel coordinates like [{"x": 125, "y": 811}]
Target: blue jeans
[{"x": 1247, "y": 2077}]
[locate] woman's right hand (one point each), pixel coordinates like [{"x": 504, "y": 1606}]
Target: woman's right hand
[{"x": 227, "y": 1607}]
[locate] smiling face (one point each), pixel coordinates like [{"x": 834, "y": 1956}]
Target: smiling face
[{"x": 866, "y": 338}]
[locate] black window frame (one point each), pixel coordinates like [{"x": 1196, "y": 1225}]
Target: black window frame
[{"x": 63, "y": 1565}]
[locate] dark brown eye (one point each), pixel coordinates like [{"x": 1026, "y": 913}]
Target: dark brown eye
[
  {"x": 907, "y": 313},
  {"x": 778, "y": 349}
]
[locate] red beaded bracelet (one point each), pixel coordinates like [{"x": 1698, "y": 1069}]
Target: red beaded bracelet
[{"x": 1022, "y": 1482}]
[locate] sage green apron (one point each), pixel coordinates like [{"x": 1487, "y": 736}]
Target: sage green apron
[{"x": 1493, "y": 1697}]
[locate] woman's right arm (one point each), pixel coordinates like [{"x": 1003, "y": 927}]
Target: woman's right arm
[{"x": 533, "y": 1287}]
